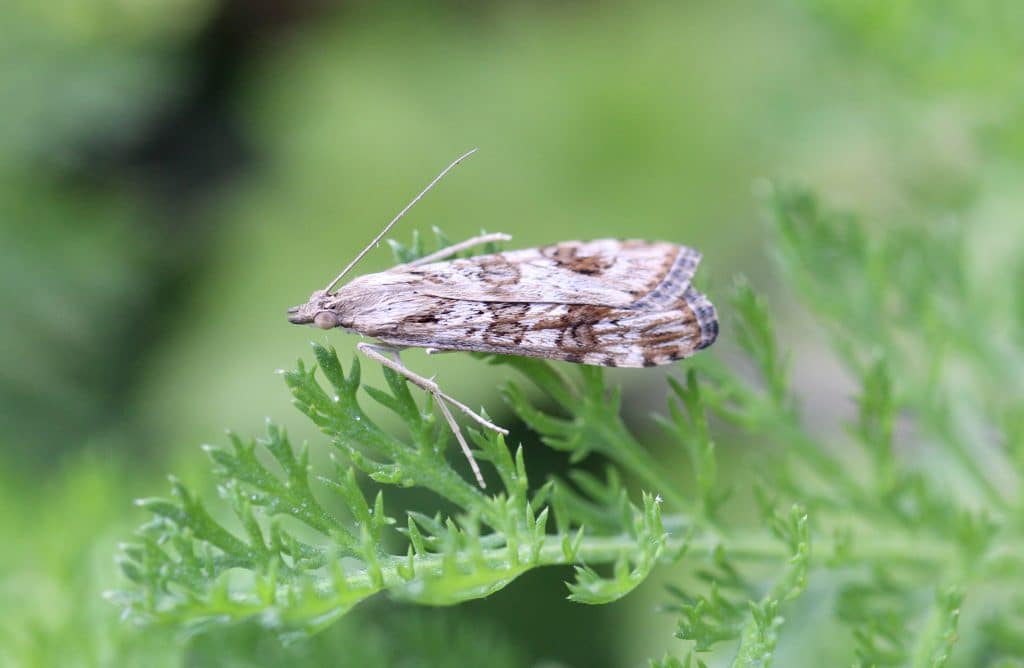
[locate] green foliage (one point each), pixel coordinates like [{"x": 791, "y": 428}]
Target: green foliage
[
  {"x": 910, "y": 513},
  {"x": 306, "y": 566},
  {"x": 921, "y": 508}
]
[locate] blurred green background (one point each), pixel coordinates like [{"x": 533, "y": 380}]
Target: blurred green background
[{"x": 175, "y": 174}]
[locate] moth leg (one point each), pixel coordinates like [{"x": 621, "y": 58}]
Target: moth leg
[
  {"x": 461, "y": 246},
  {"x": 462, "y": 441},
  {"x": 377, "y": 354},
  {"x": 380, "y": 354}
]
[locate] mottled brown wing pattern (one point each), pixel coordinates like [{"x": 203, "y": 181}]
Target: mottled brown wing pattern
[
  {"x": 669, "y": 322},
  {"x": 606, "y": 272},
  {"x": 609, "y": 303},
  {"x": 581, "y": 333}
]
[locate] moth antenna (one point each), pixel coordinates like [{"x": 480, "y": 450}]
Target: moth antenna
[{"x": 394, "y": 220}]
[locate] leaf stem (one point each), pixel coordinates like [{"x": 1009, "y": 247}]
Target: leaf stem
[{"x": 756, "y": 546}]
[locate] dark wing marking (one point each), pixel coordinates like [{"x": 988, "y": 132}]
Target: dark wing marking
[
  {"x": 605, "y": 272},
  {"x": 673, "y": 284},
  {"x": 707, "y": 317},
  {"x": 580, "y": 333}
]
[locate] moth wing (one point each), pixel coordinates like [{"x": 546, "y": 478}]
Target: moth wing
[
  {"x": 605, "y": 272},
  {"x": 581, "y": 333}
]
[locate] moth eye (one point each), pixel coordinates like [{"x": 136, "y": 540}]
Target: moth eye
[{"x": 325, "y": 320}]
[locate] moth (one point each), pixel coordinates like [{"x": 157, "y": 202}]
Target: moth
[{"x": 606, "y": 302}]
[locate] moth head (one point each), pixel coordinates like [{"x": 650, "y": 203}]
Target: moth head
[{"x": 321, "y": 310}]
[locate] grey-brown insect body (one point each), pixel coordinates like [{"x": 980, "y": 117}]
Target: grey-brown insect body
[{"x": 604, "y": 302}]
